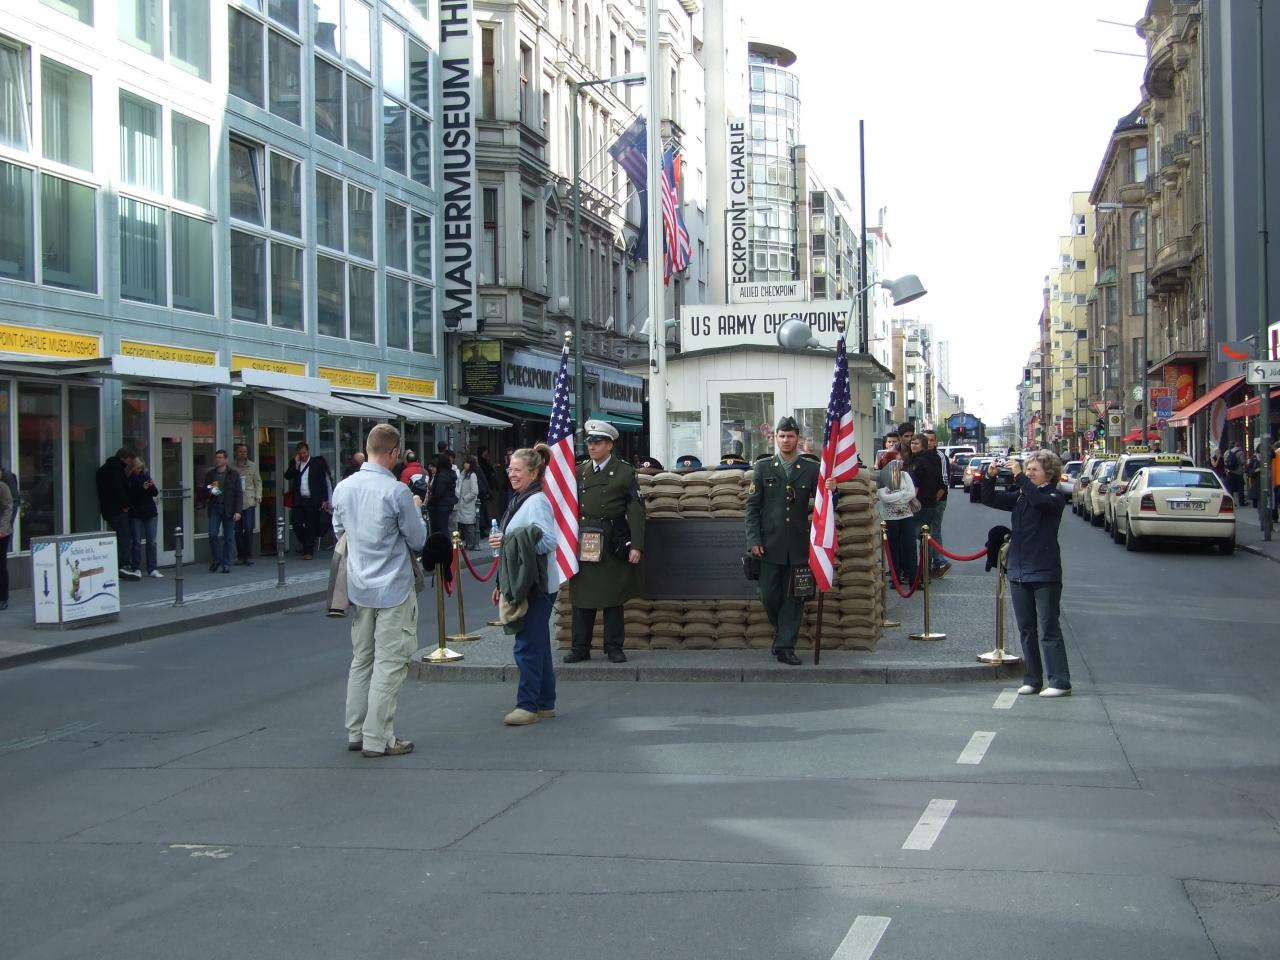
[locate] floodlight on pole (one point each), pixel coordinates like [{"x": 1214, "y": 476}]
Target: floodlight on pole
[{"x": 798, "y": 335}]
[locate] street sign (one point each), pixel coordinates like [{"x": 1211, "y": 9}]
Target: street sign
[
  {"x": 1115, "y": 421},
  {"x": 1162, "y": 423},
  {"x": 1262, "y": 371},
  {"x": 1137, "y": 393},
  {"x": 1089, "y": 435}
]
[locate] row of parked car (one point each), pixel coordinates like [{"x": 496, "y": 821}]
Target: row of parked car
[{"x": 1141, "y": 496}]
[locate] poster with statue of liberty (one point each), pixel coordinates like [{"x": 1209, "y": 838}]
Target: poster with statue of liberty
[{"x": 75, "y": 578}]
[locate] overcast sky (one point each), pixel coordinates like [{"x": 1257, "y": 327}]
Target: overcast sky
[{"x": 981, "y": 119}]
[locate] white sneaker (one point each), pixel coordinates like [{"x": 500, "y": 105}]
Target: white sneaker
[
  {"x": 1055, "y": 692},
  {"x": 130, "y": 574},
  {"x": 156, "y": 575},
  {"x": 1027, "y": 690}
]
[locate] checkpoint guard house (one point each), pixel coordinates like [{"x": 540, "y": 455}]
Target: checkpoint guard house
[{"x": 733, "y": 380}]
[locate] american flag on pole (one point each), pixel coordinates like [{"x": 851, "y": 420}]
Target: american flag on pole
[
  {"x": 839, "y": 460},
  {"x": 677, "y": 251},
  {"x": 561, "y": 482}
]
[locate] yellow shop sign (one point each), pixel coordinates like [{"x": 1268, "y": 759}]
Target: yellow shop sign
[
  {"x": 349, "y": 379},
  {"x": 422, "y": 388},
  {"x": 240, "y": 362},
  {"x": 49, "y": 343},
  {"x": 159, "y": 351}
]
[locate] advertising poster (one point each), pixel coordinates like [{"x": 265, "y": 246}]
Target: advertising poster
[
  {"x": 44, "y": 580},
  {"x": 88, "y": 578},
  {"x": 1181, "y": 379}
]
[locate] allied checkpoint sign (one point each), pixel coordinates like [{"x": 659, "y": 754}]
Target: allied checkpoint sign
[{"x": 714, "y": 326}]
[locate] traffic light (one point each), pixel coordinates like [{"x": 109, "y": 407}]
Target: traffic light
[
  {"x": 960, "y": 431},
  {"x": 1026, "y": 376}
]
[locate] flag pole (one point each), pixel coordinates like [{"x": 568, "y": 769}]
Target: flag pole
[{"x": 657, "y": 295}]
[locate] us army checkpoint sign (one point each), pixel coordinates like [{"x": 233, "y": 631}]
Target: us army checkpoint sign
[{"x": 712, "y": 326}]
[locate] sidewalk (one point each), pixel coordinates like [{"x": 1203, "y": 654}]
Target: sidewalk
[
  {"x": 1249, "y": 535},
  {"x": 963, "y": 606}
]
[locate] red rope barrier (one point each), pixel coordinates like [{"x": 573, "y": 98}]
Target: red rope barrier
[
  {"x": 893, "y": 573},
  {"x": 488, "y": 576},
  {"x": 957, "y": 556}
]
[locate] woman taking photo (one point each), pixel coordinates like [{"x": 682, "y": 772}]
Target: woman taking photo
[
  {"x": 142, "y": 518},
  {"x": 896, "y": 492},
  {"x": 528, "y": 574},
  {"x": 468, "y": 502},
  {"x": 1035, "y": 568}
]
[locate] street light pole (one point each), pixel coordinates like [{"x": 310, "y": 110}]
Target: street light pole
[
  {"x": 1265, "y": 480},
  {"x": 579, "y": 375}
]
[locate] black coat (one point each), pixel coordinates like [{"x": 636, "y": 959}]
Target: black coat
[
  {"x": 142, "y": 500},
  {"x": 317, "y": 472},
  {"x": 444, "y": 488},
  {"x": 230, "y": 497},
  {"x": 926, "y": 473},
  {"x": 113, "y": 488},
  {"x": 1034, "y": 555}
]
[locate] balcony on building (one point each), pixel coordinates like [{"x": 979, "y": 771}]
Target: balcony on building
[{"x": 1171, "y": 265}]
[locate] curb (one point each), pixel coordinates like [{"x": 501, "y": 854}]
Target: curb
[
  {"x": 898, "y": 673},
  {"x": 125, "y": 634},
  {"x": 1256, "y": 551}
]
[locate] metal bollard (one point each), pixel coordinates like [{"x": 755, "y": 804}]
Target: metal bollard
[
  {"x": 442, "y": 654},
  {"x": 462, "y": 634},
  {"x": 280, "y": 553},
  {"x": 926, "y": 633},
  {"x": 177, "y": 566},
  {"x": 884, "y": 539},
  {"x": 998, "y": 655}
]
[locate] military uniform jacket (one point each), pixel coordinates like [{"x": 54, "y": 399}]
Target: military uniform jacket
[
  {"x": 603, "y": 498},
  {"x": 778, "y": 508}
]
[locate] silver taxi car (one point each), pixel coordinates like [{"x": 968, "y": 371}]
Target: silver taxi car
[
  {"x": 1130, "y": 462},
  {"x": 1177, "y": 502}
]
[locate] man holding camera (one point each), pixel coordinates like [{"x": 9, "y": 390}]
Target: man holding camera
[{"x": 611, "y": 543}]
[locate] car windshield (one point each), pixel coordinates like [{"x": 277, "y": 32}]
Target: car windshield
[
  {"x": 1072, "y": 469},
  {"x": 1106, "y": 471},
  {"x": 1196, "y": 479}
]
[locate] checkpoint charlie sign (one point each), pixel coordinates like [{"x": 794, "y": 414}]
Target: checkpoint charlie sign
[{"x": 710, "y": 327}]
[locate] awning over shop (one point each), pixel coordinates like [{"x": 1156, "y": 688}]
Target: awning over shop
[
  {"x": 622, "y": 421},
  {"x": 331, "y": 404},
  {"x": 1183, "y": 416},
  {"x": 1251, "y": 407},
  {"x": 395, "y": 407},
  {"x": 457, "y": 413},
  {"x": 540, "y": 410},
  {"x": 137, "y": 369},
  {"x": 1135, "y": 436}
]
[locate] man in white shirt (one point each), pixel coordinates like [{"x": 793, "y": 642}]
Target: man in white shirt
[{"x": 383, "y": 524}]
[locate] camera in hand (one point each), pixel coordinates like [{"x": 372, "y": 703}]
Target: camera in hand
[{"x": 419, "y": 485}]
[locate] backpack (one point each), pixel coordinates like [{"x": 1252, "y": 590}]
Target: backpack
[{"x": 1232, "y": 461}]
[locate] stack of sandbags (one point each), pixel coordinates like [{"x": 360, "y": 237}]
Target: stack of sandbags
[{"x": 853, "y": 610}]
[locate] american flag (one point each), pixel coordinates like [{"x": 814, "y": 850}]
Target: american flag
[
  {"x": 676, "y": 249},
  {"x": 839, "y": 460},
  {"x": 561, "y": 485}
]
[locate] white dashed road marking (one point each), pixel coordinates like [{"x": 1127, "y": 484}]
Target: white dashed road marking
[
  {"x": 57, "y": 733},
  {"x": 862, "y": 939},
  {"x": 1006, "y": 700},
  {"x": 977, "y": 747},
  {"x": 930, "y": 824}
]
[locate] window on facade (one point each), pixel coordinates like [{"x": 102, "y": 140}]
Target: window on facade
[
  {"x": 17, "y": 240},
  {"x": 358, "y": 32},
  {"x": 1137, "y": 292},
  {"x": 190, "y": 160},
  {"x": 286, "y": 195},
  {"x": 142, "y": 252},
  {"x": 140, "y": 149},
  {"x": 248, "y": 273},
  {"x": 189, "y": 36},
  {"x": 192, "y": 263},
  {"x": 489, "y": 236},
  {"x": 138, "y": 23},
  {"x": 329, "y": 211},
  {"x": 360, "y": 117},
  {"x": 359, "y": 222},
  {"x": 244, "y": 56},
  {"x": 488, "y": 73},
  {"x": 264, "y": 251},
  {"x": 331, "y": 295},
  {"x": 409, "y": 302},
  {"x": 1079, "y": 265},
  {"x": 69, "y": 234},
  {"x": 15, "y": 120},
  {"x": 286, "y": 286},
  {"x": 283, "y": 65},
  {"x": 525, "y": 107},
  {"x": 284, "y": 12},
  {"x": 82, "y": 10},
  {"x": 284, "y": 72},
  {"x": 245, "y": 181},
  {"x": 66, "y": 113},
  {"x": 328, "y": 100},
  {"x": 1137, "y": 230},
  {"x": 1138, "y": 160},
  {"x": 396, "y": 235}
]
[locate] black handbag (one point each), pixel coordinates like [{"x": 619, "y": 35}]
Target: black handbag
[{"x": 751, "y": 566}]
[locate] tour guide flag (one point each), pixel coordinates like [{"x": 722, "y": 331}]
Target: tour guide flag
[
  {"x": 629, "y": 152},
  {"x": 561, "y": 484},
  {"x": 839, "y": 460}
]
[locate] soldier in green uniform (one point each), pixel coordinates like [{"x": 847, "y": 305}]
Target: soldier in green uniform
[
  {"x": 610, "y": 544},
  {"x": 778, "y": 532}
]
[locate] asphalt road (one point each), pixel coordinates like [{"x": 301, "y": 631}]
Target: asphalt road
[{"x": 191, "y": 797}]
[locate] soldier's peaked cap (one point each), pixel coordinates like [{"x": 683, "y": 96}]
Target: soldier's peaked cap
[
  {"x": 787, "y": 423},
  {"x": 601, "y": 430}
]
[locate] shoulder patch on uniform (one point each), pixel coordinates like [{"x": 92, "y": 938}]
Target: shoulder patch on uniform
[{"x": 751, "y": 490}]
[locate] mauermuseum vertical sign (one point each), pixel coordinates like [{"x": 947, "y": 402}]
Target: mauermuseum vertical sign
[
  {"x": 738, "y": 213},
  {"x": 458, "y": 161}
]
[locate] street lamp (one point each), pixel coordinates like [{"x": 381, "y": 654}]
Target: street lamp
[
  {"x": 1115, "y": 207},
  {"x": 797, "y": 334},
  {"x": 579, "y": 375}
]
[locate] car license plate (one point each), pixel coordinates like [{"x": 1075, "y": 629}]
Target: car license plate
[{"x": 1187, "y": 505}]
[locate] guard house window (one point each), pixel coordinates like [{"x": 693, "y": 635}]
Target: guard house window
[
  {"x": 489, "y": 236},
  {"x": 410, "y": 297},
  {"x": 1137, "y": 230},
  {"x": 488, "y": 73},
  {"x": 1138, "y": 164},
  {"x": 406, "y": 105},
  {"x": 343, "y": 100}
]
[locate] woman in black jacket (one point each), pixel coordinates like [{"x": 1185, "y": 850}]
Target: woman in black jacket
[
  {"x": 926, "y": 472},
  {"x": 444, "y": 495},
  {"x": 142, "y": 518},
  {"x": 1035, "y": 568}
]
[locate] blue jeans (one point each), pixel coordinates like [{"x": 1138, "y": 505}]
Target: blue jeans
[
  {"x": 120, "y": 524},
  {"x": 537, "y": 690},
  {"x": 936, "y": 559},
  {"x": 142, "y": 527},
  {"x": 1037, "y": 607},
  {"x": 244, "y": 532},
  {"x": 222, "y": 538}
]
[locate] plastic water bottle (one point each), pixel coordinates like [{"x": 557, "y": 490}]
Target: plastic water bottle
[{"x": 493, "y": 528}]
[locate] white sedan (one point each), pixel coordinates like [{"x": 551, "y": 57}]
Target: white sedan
[{"x": 1176, "y": 502}]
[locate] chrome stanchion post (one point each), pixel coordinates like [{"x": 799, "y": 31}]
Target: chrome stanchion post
[
  {"x": 462, "y": 634},
  {"x": 926, "y": 634},
  {"x": 884, "y": 540},
  {"x": 280, "y": 534},
  {"x": 998, "y": 655},
  {"x": 177, "y": 566}
]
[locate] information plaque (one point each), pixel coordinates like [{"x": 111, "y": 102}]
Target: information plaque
[{"x": 696, "y": 559}]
